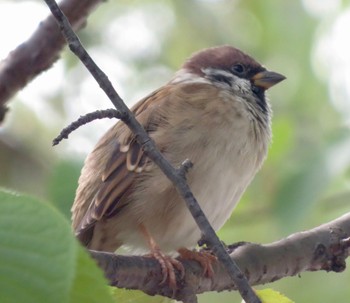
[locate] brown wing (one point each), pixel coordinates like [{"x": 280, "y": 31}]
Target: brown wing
[{"x": 110, "y": 170}]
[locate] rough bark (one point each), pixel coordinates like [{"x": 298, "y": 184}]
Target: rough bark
[{"x": 323, "y": 248}]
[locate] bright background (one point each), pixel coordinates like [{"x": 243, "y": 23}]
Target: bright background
[{"x": 139, "y": 44}]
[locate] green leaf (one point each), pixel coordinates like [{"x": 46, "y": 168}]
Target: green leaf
[
  {"x": 89, "y": 283},
  {"x": 40, "y": 260},
  {"x": 37, "y": 251},
  {"x": 269, "y": 295}
]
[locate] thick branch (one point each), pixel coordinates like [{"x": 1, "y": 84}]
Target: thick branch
[
  {"x": 40, "y": 51},
  {"x": 323, "y": 248},
  {"x": 174, "y": 175}
]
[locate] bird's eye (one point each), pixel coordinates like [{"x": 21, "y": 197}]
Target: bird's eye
[{"x": 238, "y": 68}]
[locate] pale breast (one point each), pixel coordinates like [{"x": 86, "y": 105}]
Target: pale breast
[{"x": 226, "y": 167}]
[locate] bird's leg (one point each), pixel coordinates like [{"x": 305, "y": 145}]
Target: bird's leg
[
  {"x": 204, "y": 258},
  {"x": 167, "y": 263}
]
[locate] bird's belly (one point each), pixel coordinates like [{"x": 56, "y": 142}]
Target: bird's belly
[
  {"x": 217, "y": 188},
  {"x": 218, "y": 179},
  {"x": 219, "y": 196},
  {"x": 217, "y": 200},
  {"x": 183, "y": 230}
]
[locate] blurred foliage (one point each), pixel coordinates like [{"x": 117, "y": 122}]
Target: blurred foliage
[
  {"x": 125, "y": 295},
  {"x": 62, "y": 184},
  {"x": 303, "y": 183}
]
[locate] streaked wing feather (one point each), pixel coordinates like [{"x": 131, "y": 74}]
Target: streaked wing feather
[{"x": 125, "y": 162}]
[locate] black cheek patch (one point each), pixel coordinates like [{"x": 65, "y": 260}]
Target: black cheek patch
[{"x": 260, "y": 100}]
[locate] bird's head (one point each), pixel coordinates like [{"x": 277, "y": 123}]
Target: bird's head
[{"x": 229, "y": 68}]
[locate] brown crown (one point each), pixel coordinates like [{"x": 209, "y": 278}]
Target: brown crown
[{"x": 221, "y": 57}]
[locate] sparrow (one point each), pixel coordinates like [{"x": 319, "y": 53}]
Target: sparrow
[{"x": 214, "y": 112}]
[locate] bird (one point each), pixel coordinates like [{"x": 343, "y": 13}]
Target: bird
[{"x": 214, "y": 112}]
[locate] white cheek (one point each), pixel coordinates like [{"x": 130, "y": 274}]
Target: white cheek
[
  {"x": 241, "y": 86},
  {"x": 184, "y": 76}
]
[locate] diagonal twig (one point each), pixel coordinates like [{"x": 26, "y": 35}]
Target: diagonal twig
[{"x": 153, "y": 153}]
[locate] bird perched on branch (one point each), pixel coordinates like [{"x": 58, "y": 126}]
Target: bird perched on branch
[{"x": 214, "y": 112}]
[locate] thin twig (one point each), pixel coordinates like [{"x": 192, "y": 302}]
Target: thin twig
[
  {"x": 184, "y": 168},
  {"x": 153, "y": 153},
  {"x": 99, "y": 114}
]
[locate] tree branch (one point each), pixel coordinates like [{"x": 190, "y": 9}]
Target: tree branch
[
  {"x": 323, "y": 248},
  {"x": 40, "y": 51},
  {"x": 99, "y": 114},
  {"x": 174, "y": 175}
]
